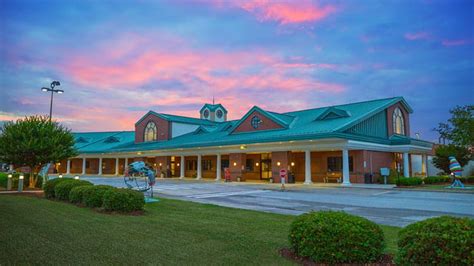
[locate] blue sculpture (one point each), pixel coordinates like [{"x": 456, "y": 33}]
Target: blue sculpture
[{"x": 140, "y": 177}]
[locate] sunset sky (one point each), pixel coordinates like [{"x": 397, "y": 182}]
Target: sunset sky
[{"x": 118, "y": 59}]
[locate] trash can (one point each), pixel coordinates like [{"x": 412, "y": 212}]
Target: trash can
[
  {"x": 368, "y": 178},
  {"x": 291, "y": 178}
]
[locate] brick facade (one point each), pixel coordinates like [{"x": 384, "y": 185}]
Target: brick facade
[
  {"x": 163, "y": 128},
  {"x": 406, "y": 118},
  {"x": 266, "y": 124}
]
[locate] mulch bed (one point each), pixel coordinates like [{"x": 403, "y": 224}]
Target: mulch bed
[
  {"x": 386, "y": 260},
  {"x": 37, "y": 194}
]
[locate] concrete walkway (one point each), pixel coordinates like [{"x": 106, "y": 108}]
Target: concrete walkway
[{"x": 383, "y": 205}]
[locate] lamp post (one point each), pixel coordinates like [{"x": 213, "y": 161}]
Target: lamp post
[{"x": 52, "y": 90}]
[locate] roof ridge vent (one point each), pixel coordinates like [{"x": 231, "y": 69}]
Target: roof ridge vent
[
  {"x": 333, "y": 113},
  {"x": 111, "y": 139}
]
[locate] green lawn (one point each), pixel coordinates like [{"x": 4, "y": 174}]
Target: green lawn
[{"x": 40, "y": 231}]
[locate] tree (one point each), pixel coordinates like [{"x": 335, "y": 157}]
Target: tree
[
  {"x": 460, "y": 127},
  {"x": 442, "y": 153},
  {"x": 33, "y": 142}
]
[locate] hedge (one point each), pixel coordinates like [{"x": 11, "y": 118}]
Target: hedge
[
  {"x": 16, "y": 177},
  {"x": 409, "y": 181},
  {"x": 123, "y": 200},
  {"x": 93, "y": 195},
  {"x": 336, "y": 237},
  {"x": 437, "y": 179},
  {"x": 62, "y": 189},
  {"x": 442, "y": 240},
  {"x": 76, "y": 195},
  {"x": 51, "y": 184}
]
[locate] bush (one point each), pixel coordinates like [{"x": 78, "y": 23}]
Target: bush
[
  {"x": 123, "y": 200},
  {"x": 76, "y": 195},
  {"x": 409, "y": 181},
  {"x": 51, "y": 184},
  {"x": 436, "y": 179},
  {"x": 442, "y": 240},
  {"x": 94, "y": 195},
  {"x": 61, "y": 190},
  {"x": 16, "y": 177},
  {"x": 336, "y": 237}
]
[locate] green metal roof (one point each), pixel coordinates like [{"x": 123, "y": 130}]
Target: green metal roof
[
  {"x": 298, "y": 125},
  {"x": 179, "y": 119},
  {"x": 213, "y": 107}
]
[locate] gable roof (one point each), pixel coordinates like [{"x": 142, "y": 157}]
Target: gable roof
[
  {"x": 333, "y": 113},
  {"x": 213, "y": 107},
  {"x": 178, "y": 119},
  {"x": 281, "y": 119},
  {"x": 297, "y": 125},
  {"x": 102, "y": 141}
]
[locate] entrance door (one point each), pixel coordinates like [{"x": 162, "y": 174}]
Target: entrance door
[{"x": 266, "y": 167}]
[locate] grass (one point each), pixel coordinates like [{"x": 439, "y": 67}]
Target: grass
[
  {"x": 444, "y": 187},
  {"x": 39, "y": 231}
]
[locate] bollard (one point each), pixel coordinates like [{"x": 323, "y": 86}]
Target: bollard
[
  {"x": 76, "y": 177},
  {"x": 282, "y": 183},
  {"x": 9, "y": 182},
  {"x": 20, "y": 183},
  {"x": 60, "y": 176}
]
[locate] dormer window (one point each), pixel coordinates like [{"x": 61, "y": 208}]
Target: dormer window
[
  {"x": 219, "y": 113},
  {"x": 206, "y": 113},
  {"x": 398, "y": 122},
  {"x": 255, "y": 122},
  {"x": 150, "y": 132}
]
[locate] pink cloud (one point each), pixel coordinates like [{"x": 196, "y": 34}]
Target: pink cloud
[
  {"x": 422, "y": 35},
  {"x": 457, "y": 42},
  {"x": 284, "y": 12}
]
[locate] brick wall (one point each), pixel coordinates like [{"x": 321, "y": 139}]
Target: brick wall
[
  {"x": 163, "y": 128},
  {"x": 266, "y": 123},
  {"x": 406, "y": 118}
]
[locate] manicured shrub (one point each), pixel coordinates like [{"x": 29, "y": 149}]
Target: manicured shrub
[
  {"x": 51, "y": 184},
  {"x": 336, "y": 237},
  {"x": 94, "y": 195},
  {"x": 76, "y": 195},
  {"x": 409, "y": 181},
  {"x": 442, "y": 240},
  {"x": 123, "y": 200},
  {"x": 61, "y": 190},
  {"x": 436, "y": 180}
]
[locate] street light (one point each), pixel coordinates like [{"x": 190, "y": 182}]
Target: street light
[{"x": 52, "y": 90}]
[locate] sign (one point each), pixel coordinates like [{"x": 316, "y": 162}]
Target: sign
[
  {"x": 227, "y": 174},
  {"x": 384, "y": 171},
  {"x": 283, "y": 173}
]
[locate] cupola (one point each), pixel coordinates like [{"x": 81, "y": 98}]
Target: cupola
[{"x": 213, "y": 112}]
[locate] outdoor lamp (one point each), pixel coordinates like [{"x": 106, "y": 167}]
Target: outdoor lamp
[
  {"x": 161, "y": 164},
  {"x": 20, "y": 183},
  {"x": 292, "y": 163},
  {"x": 52, "y": 90},
  {"x": 177, "y": 164},
  {"x": 9, "y": 182},
  {"x": 10, "y": 175},
  {"x": 60, "y": 176},
  {"x": 256, "y": 164},
  {"x": 235, "y": 164},
  {"x": 76, "y": 177},
  {"x": 22, "y": 177},
  {"x": 278, "y": 163}
]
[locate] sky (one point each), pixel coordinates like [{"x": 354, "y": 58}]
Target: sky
[{"x": 116, "y": 60}]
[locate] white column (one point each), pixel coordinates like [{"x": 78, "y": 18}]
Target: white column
[
  {"x": 83, "y": 166},
  {"x": 346, "y": 181},
  {"x": 307, "y": 167},
  {"x": 218, "y": 168},
  {"x": 424, "y": 161},
  {"x": 199, "y": 167},
  {"x": 406, "y": 165},
  {"x": 181, "y": 171},
  {"x": 116, "y": 166},
  {"x": 100, "y": 166},
  {"x": 68, "y": 167},
  {"x": 126, "y": 162}
]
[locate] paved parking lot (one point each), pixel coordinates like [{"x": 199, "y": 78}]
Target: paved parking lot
[{"x": 384, "y": 206}]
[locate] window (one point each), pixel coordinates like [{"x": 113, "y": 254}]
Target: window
[
  {"x": 206, "y": 113},
  {"x": 255, "y": 122},
  {"x": 150, "y": 132},
  {"x": 219, "y": 113},
  {"x": 335, "y": 164},
  {"x": 191, "y": 165},
  {"x": 206, "y": 165},
  {"x": 249, "y": 165},
  {"x": 398, "y": 122}
]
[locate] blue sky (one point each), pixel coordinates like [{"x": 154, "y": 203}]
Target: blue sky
[{"x": 118, "y": 59}]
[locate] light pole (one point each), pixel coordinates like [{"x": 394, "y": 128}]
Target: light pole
[{"x": 52, "y": 90}]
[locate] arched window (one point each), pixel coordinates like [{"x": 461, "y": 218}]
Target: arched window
[
  {"x": 150, "y": 132},
  {"x": 398, "y": 122}
]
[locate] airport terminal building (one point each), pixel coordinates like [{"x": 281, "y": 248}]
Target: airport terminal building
[{"x": 340, "y": 143}]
